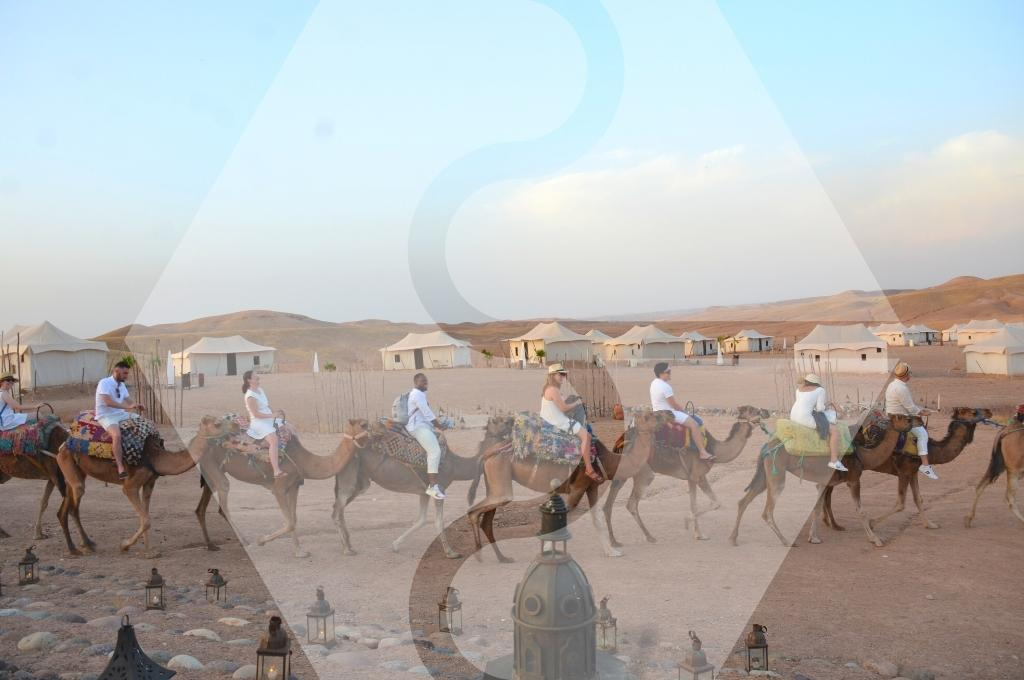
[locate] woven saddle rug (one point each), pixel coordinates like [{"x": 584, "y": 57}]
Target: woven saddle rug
[
  {"x": 873, "y": 428},
  {"x": 801, "y": 440},
  {"x": 393, "y": 440},
  {"x": 28, "y": 439},
  {"x": 534, "y": 437},
  {"x": 87, "y": 437},
  {"x": 240, "y": 442},
  {"x": 671, "y": 438}
]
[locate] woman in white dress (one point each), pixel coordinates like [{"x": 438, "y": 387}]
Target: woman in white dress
[
  {"x": 261, "y": 418},
  {"x": 12, "y": 414},
  {"x": 553, "y": 410},
  {"x": 810, "y": 399}
]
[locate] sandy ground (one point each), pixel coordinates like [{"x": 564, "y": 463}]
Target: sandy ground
[{"x": 945, "y": 601}]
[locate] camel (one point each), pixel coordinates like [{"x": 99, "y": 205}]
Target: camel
[
  {"x": 685, "y": 465},
  {"x": 373, "y": 465},
  {"x": 771, "y": 477},
  {"x": 1007, "y": 456},
  {"x": 138, "y": 487},
  {"x": 501, "y": 470},
  {"x": 218, "y": 464},
  {"x": 959, "y": 434}
]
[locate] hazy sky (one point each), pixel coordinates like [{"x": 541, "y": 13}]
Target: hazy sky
[{"x": 162, "y": 162}]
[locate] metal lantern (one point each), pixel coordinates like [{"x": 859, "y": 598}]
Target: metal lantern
[
  {"x": 694, "y": 665},
  {"x": 449, "y": 612},
  {"x": 129, "y": 662},
  {"x": 273, "y": 657},
  {"x": 757, "y": 649},
  {"x": 607, "y": 628},
  {"x": 320, "y": 621},
  {"x": 28, "y": 568},
  {"x": 216, "y": 587},
  {"x": 155, "y": 591}
]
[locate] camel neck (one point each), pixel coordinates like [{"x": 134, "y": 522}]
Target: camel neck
[
  {"x": 958, "y": 436},
  {"x": 730, "y": 448}
]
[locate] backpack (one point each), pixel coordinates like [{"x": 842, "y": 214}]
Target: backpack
[{"x": 400, "y": 409}]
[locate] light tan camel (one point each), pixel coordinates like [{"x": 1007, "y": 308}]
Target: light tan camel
[
  {"x": 775, "y": 461},
  {"x": 501, "y": 470},
  {"x": 138, "y": 487},
  {"x": 1008, "y": 457},
  {"x": 218, "y": 464},
  {"x": 373, "y": 465},
  {"x": 685, "y": 465},
  {"x": 959, "y": 434}
]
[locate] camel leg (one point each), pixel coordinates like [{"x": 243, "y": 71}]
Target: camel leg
[
  {"x": 641, "y": 482},
  {"x": 776, "y": 484},
  {"x": 812, "y": 536},
  {"x": 40, "y": 534},
  {"x": 74, "y": 491},
  {"x": 598, "y": 517},
  {"x": 293, "y": 517},
  {"x": 287, "y": 527},
  {"x": 131, "y": 492},
  {"x": 88, "y": 546},
  {"x": 421, "y": 521},
  {"x": 487, "y": 526},
  {"x": 147, "y": 496},
  {"x": 609, "y": 502},
  {"x": 1012, "y": 483},
  {"x": 978, "y": 490},
  {"x": 830, "y": 515},
  {"x": 204, "y": 502},
  {"x": 755, "y": 489},
  {"x": 449, "y": 552},
  {"x": 694, "y": 514},
  {"x": 343, "y": 495},
  {"x": 901, "y": 502},
  {"x": 705, "y": 486},
  {"x": 865, "y": 521},
  {"x": 919, "y": 502}
]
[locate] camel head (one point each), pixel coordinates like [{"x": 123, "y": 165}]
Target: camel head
[
  {"x": 652, "y": 421},
  {"x": 971, "y": 415},
  {"x": 752, "y": 414},
  {"x": 358, "y": 430},
  {"x": 498, "y": 427},
  {"x": 212, "y": 427}
]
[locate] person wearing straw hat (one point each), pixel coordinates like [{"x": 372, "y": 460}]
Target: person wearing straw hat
[
  {"x": 899, "y": 401},
  {"x": 112, "y": 406},
  {"x": 12, "y": 414},
  {"x": 554, "y": 410},
  {"x": 663, "y": 399},
  {"x": 811, "y": 409}
]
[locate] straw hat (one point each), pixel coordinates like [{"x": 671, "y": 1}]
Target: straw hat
[
  {"x": 902, "y": 370},
  {"x": 813, "y": 379},
  {"x": 556, "y": 368},
  {"x": 8, "y": 377}
]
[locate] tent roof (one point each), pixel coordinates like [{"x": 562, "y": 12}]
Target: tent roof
[
  {"x": 233, "y": 344},
  {"x": 954, "y": 327},
  {"x": 1008, "y": 340},
  {"x": 597, "y": 336},
  {"x": 921, "y": 328},
  {"x": 551, "y": 332},
  {"x": 694, "y": 336},
  {"x": 422, "y": 340},
  {"x": 853, "y": 336},
  {"x": 891, "y": 328},
  {"x": 641, "y": 335},
  {"x": 45, "y": 337},
  {"x": 750, "y": 333},
  {"x": 986, "y": 325}
]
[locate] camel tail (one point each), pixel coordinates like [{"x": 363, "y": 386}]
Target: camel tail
[
  {"x": 996, "y": 466},
  {"x": 760, "y": 477}
]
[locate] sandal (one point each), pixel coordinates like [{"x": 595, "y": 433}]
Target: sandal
[
  {"x": 280, "y": 474},
  {"x": 123, "y": 474},
  {"x": 594, "y": 475},
  {"x": 709, "y": 459}
]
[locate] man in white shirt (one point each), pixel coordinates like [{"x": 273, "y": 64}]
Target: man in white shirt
[
  {"x": 112, "y": 406},
  {"x": 420, "y": 425},
  {"x": 899, "y": 401},
  {"x": 663, "y": 399}
]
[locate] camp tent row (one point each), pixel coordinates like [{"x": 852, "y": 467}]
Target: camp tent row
[
  {"x": 977, "y": 330},
  {"x": 900, "y": 335},
  {"x": 232, "y": 355},
  {"x": 841, "y": 349},
  {"x": 436, "y": 349},
  {"x": 50, "y": 357},
  {"x": 1002, "y": 353},
  {"x": 748, "y": 340},
  {"x": 556, "y": 341},
  {"x": 642, "y": 343}
]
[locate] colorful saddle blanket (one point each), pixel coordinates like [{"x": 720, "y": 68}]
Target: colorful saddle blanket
[
  {"x": 391, "y": 439},
  {"x": 87, "y": 437},
  {"x": 801, "y": 440},
  {"x": 874, "y": 427},
  {"x": 672, "y": 437},
  {"x": 28, "y": 439},
  {"x": 534, "y": 437},
  {"x": 240, "y": 442}
]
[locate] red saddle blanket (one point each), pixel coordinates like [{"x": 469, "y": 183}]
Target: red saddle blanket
[
  {"x": 28, "y": 439},
  {"x": 88, "y": 437}
]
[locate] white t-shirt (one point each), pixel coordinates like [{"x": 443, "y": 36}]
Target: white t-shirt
[
  {"x": 113, "y": 389},
  {"x": 660, "y": 392},
  {"x": 420, "y": 414}
]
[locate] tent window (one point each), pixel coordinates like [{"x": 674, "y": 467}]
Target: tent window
[
  {"x": 878, "y": 350},
  {"x": 398, "y": 359},
  {"x": 863, "y": 357},
  {"x": 817, "y": 357},
  {"x": 256, "y": 360}
]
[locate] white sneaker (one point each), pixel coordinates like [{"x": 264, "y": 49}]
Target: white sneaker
[
  {"x": 435, "y": 492},
  {"x": 928, "y": 472},
  {"x": 838, "y": 465}
]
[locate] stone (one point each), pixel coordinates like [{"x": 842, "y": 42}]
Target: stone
[
  {"x": 247, "y": 672},
  {"x": 223, "y": 666},
  {"x": 316, "y": 650},
  {"x": 105, "y": 623},
  {"x": 886, "y": 669},
  {"x": 144, "y": 627},
  {"x": 232, "y": 621},
  {"x": 101, "y": 649},
  {"x": 39, "y": 605},
  {"x": 205, "y": 633},
  {"x": 68, "y": 617},
  {"x": 395, "y": 665},
  {"x": 392, "y": 642},
  {"x": 37, "y": 615},
  {"x": 349, "y": 659},
  {"x": 37, "y": 642},
  {"x": 419, "y": 670},
  {"x": 72, "y": 644},
  {"x": 241, "y": 642},
  {"x": 72, "y": 591},
  {"x": 765, "y": 674},
  {"x": 920, "y": 674},
  {"x": 184, "y": 662},
  {"x": 10, "y": 612},
  {"x": 370, "y": 643},
  {"x": 23, "y": 675},
  {"x": 21, "y": 602},
  {"x": 299, "y": 630},
  {"x": 801, "y": 676},
  {"x": 347, "y": 633},
  {"x": 130, "y": 611},
  {"x": 161, "y": 656}
]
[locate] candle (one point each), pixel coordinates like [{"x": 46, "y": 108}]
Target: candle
[{"x": 272, "y": 673}]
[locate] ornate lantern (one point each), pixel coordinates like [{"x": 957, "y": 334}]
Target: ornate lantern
[
  {"x": 607, "y": 628},
  {"x": 757, "y": 649},
  {"x": 694, "y": 665},
  {"x": 28, "y": 568},
  {"x": 273, "y": 657},
  {"x": 449, "y": 612},
  {"x": 155, "y": 591},
  {"x": 320, "y": 621},
  {"x": 129, "y": 662},
  {"x": 216, "y": 587}
]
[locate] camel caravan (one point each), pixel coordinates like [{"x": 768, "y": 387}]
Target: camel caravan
[{"x": 553, "y": 448}]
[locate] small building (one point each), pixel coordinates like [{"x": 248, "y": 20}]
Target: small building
[
  {"x": 976, "y": 331},
  {"x": 640, "y": 343},
  {"x": 748, "y": 340},
  {"x": 558, "y": 343},
  {"x": 896, "y": 334},
  {"x": 841, "y": 349},
  {"x": 426, "y": 350},
  {"x": 46, "y": 356},
  {"x": 696, "y": 344},
  {"x": 923, "y": 335},
  {"x": 950, "y": 334},
  {"x": 233, "y": 355},
  {"x": 597, "y": 342},
  {"x": 1002, "y": 353}
]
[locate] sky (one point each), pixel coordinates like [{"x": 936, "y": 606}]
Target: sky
[{"x": 460, "y": 160}]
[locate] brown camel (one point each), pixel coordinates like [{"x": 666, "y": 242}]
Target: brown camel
[
  {"x": 1007, "y": 456},
  {"x": 959, "y": 434},
  {"x": 685, "y": 465},
  {"x": 217, "y": 464},
  {"x": 373, "y": 465},
  {"x": 138, "y": 487},
  {"x": 501, "y": 470},
  {"x": 775, "y": 461}
]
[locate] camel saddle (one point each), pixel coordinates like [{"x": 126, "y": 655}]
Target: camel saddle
[
  {"x": 28, "y": 439},
  {"x": 801, "y": 440},
  {"x": 533, "y": 437},
  {"x": 873, "y": 428},
  {"x": 238, "y": 441},
  {"x": 670, "y": 437},
  {"x": 88, "y": 438},
  {"x": 392, "y": 439}
]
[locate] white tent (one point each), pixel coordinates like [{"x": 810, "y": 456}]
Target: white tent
[
  {"x": 922, "y": 334},
  {"x": 597, "y": 342},
  {"x": 843, "y": 349},
  {"x": 896, "y": 334},
  {"x": 976, "y": 331},
  {"x": 49, "y": 356},
  {"x": 950, "y": 334},
  {"x": 558, "y": 342},
  {"x": 645, "y": 342},
  {"x": 232, "y": 355},
  {"x": 436, "y": 349},
  {"x": 1002, "y": 353},
  {"x": 698, "y": 345},
  {"x": 748, "y": 340}
]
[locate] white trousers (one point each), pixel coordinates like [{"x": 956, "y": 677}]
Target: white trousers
[
  {"x": 428, "y": 440},
  {"x": 922, "y": 440}
]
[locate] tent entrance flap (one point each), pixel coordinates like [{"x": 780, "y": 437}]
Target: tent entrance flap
[
  {"x": 232, "y": 364},
  {"x": 418, "y": 358}
]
